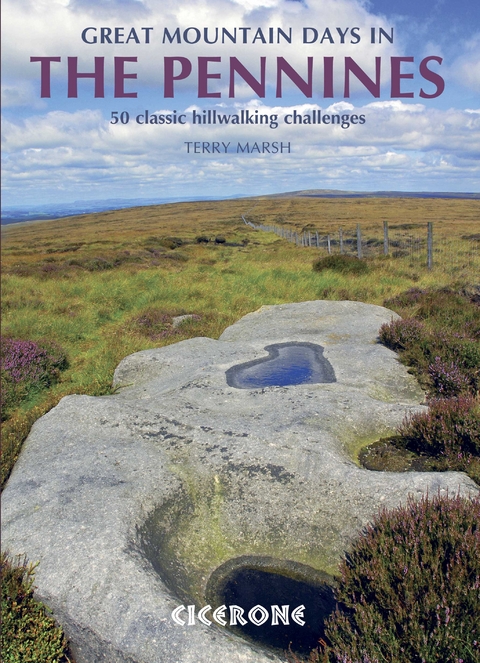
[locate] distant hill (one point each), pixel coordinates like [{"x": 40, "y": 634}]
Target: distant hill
[
  {"x": 335, "y": 193},
  {"x": 14, "y": 214},
  {"x": 20, "y": 214}
]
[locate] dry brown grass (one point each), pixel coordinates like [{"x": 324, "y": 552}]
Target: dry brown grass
[
  {"x": 115, "y": 229},
  {"x": 450, "y": 216}
]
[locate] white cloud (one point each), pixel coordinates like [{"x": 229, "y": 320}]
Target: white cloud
[
  {"x": 465, "y": 69},
  {"x": 73, "y": 148},
  {"x": 397, "y": 106},
  {"x": 395, "y": 148}
]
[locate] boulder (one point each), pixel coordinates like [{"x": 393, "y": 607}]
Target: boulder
[{"x": 183, "y": 490}]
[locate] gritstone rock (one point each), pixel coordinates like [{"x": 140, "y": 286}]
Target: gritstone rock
[{"x": 136, "y": 503}]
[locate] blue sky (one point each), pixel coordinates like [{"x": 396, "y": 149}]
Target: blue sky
[
  {"x": 448, "y": 16},
  {"x": 60, "y": 149}
]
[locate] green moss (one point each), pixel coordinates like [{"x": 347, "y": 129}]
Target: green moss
[
  {"x": 353, "y": 445},
  {"x": 191, "y": 536}
]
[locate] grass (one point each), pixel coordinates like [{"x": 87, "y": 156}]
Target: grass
[
  {"x": 28, "y": 634},
  {"x": 105, "y": 285}
]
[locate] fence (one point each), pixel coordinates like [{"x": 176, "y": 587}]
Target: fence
[{"x": 425, "y": 247}]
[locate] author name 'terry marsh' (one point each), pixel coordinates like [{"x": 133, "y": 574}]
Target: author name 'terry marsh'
[{"x": 220, "y": 147}]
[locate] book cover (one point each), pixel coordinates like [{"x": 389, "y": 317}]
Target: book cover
[{"x": 204, "y": 154}]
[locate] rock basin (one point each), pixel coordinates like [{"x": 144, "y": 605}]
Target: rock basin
[
  {"x": 287, "y": 364},
  {"x": 182, "y": 489}
]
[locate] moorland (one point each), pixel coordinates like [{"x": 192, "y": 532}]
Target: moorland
[{"x": 86, "y": 291}]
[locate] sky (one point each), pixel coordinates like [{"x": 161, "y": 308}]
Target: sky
[{"x": 60, "y": 149}]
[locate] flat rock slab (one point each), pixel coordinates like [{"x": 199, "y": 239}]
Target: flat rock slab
[{"x": 134, "y": 503}]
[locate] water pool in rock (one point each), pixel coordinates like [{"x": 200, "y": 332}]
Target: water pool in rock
[
  {"x": 248, "y": 582},
  {"x": 287, "y": 364}
]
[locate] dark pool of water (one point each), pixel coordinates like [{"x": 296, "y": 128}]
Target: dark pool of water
[
  {"x": 250, "y": 587},
  {"x": 287, "y": 364}
]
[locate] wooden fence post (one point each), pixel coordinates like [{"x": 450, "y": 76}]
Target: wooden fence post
[
  {"x": 328, "y": 244},
  {"x": 385, "y": 238},
  {"x": 340, "y": 232},
  {"x": 359, "y": 241}
]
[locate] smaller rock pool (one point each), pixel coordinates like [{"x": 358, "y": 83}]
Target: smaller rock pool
[{"x": 251, "y": 581}]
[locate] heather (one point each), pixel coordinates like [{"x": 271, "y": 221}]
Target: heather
[
  {"x": 440, "y": 340},
  {"x": 26, "y": 368},
  {"x": 448, "y": 434},
  {"x": 439, "y": 336},
  {"x": 409, "y": 588},
  {"x": 341, "y": 263}
]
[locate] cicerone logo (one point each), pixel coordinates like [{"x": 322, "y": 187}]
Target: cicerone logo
[{"x": 234, "y": 615}]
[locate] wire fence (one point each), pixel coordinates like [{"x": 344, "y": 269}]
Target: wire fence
[{"x": 417, "y": 244}]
